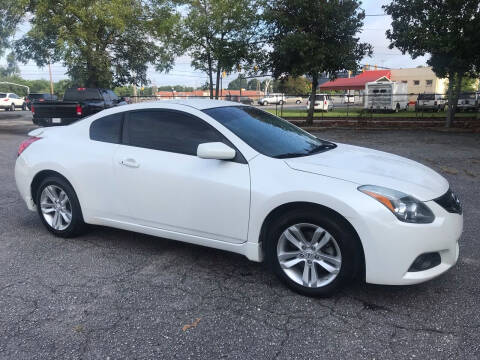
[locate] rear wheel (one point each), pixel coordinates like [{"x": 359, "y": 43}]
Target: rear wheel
[
  {"x": 12, "y": 107},
  {"x": 298, "y": 102},
  {"x": 58, "y": 207},
  {"x": 24, "y": 106},
  {"x": 312, "y": 253}
]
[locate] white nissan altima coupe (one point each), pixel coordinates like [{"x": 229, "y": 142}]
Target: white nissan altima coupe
[{"x": 236, "y": 178}]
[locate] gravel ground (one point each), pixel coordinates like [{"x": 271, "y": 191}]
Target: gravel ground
[{"x": 116, "y": 294}]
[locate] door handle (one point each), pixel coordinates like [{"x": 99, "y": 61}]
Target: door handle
[{"x": 129, "y": 163}]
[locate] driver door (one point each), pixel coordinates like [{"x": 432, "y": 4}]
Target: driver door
[{"x": 166, "y": 186}]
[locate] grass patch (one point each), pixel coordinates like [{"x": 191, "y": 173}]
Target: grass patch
[{"x": 358, "y": 112}]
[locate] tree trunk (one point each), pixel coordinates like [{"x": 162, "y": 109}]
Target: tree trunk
[
  {"x": 217, "y": 85},
  {"x": 313, "y": 94},
  {"x": 453, "y": 97},
  {"x": 210, "y": 74}
]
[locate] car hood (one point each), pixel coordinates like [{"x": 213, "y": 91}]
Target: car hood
[{"x": 371, "y": 167}]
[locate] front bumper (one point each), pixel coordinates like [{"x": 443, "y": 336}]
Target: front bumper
[{"x": 392, "y": 246}]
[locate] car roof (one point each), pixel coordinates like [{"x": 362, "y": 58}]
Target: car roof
[{"x": 199, "y": 104}]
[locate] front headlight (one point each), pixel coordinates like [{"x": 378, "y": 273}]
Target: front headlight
[{"x": 405, "y": 207}]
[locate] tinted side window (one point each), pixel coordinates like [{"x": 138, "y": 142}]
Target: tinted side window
[
  {"x": 107, "y": 129},
  {"x": 171, "y": 131}
]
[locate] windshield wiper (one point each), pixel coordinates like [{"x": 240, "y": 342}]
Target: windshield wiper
[{"x": 315, "y": 150}]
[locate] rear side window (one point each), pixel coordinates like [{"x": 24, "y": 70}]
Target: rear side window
[
  {"x": 171, "y": 131},
  {"x": 426, "y": 97},
  {"x": 3, "y": 95},
  {"x": 107, "y": 129}
]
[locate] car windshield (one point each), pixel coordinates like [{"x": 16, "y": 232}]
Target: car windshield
[
  {"x": 426, "y": 97},
  {"x": 268, "y": 134},
  {"x": 467, "y": 96}
]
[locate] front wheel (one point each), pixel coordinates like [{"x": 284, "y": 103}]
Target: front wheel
[
  {"x": 298, "y": 102},
  {"x": 59, "y": 208},
  {"x": 312, "y": 253}
]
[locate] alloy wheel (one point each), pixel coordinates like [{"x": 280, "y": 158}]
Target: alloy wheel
[
  {"x": 56, "y": 207},
  {"x": 309, "y": 255}
]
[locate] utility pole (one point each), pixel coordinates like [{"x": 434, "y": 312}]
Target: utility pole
[
  {"x": 134, "y": 93},
  {"x": 51, "y": 81}
]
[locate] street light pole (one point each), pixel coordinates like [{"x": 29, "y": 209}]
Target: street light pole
[{"x": 51, "y": 81}]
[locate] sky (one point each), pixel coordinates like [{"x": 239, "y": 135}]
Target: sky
[{"x": 183, "y": 74}]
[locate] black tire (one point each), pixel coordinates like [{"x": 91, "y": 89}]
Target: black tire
[
  {"x": 280, "y": 102},
  {"x": 265, "y": 103},
  {"x": 12, "y": 107},
  {"x": 347, "y": 240},
  {"x": 77, "y": 225},
  {"x": 298, "y": 102}
]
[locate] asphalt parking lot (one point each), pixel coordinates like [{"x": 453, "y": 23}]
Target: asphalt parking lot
[{"x": 116, "y": 294}]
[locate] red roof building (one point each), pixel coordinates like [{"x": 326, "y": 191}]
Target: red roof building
[{"x": 358, "y": 82}]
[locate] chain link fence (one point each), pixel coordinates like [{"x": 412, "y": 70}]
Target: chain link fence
[{"x": 379, "y": 105}]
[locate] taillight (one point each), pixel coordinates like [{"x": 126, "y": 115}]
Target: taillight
[
  {"x": 79, "y": 110},
  {"x": 6, "y": 99},
  {"x": 325, "y": 102},
  {"x": 32, "y": 108},
  {"x": 26, "y": 143}
]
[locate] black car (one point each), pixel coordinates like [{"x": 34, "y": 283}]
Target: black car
[
  {"x": 77, "y": 103},
  {"x": 38, "y": 97}
]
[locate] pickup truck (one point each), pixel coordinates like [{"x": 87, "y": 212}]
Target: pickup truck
[{"x": 77, "y": 103}]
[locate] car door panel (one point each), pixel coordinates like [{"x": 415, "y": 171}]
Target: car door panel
[{"x": 181, "y": 192}]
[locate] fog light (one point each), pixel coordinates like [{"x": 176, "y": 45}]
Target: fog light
[{"x": 425, "y": 262}]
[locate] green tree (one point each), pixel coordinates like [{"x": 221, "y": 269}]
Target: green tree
[
  {"x": 295, "y": 86},
  {"x": 254, "y": 84},
  {"x": 311, "y": 37},
  {"x": 468, "y": 85},
  {"x": 11, "y": 13},
  {"x": 444, "y": 29},
  {"x": 273, "y": 86},
  {"x": 237, "y": 84},
  {"x": 101, "y": 42},
  {"x": 221, "y": 35},
  {"x": 12, "y": 67}
]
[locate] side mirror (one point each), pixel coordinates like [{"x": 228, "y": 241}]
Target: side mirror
[{"x": 215, "y": 150}]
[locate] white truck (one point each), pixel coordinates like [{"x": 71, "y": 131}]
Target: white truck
[{"x": 386, "y": 96}]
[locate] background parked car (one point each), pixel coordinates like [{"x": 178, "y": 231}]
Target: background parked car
[
  {"x": 468, "y": 101},
  {"x": 38, "y": 97},
  {"x": 293, "y": 100},
  {"x": 274, "y": 98},
  {"x": 241, "y": 99},
  {"x": 11, "y": 101},
  {"x": 77, "y": 103},
  {"x": 434, "y": 102},
  {"x": 323, "y": 102}
]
